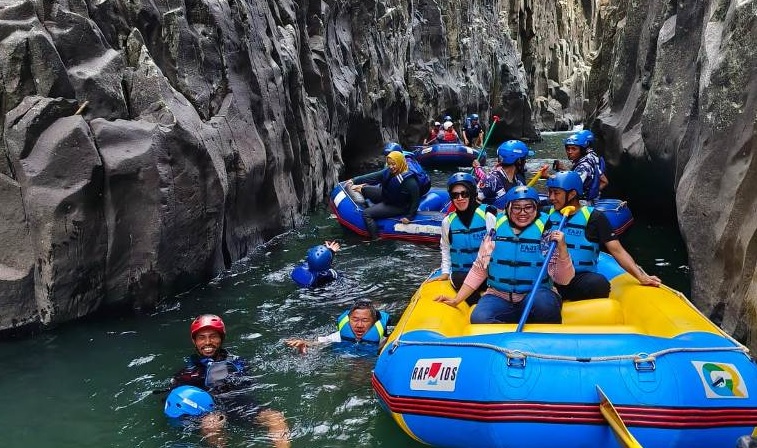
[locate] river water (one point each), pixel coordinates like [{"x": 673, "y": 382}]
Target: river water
[{"x": 91, "y": 383}]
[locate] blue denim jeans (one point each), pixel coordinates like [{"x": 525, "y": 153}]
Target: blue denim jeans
[{"x": 495, "y": 310}]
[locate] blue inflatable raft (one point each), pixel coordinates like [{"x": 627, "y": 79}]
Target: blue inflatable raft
[
  {"x": 425, "y": 228},
  {"x": 617, "y": 213},
  {"x": 641, "y": 368},
  {"x": 448, "y": 155}
]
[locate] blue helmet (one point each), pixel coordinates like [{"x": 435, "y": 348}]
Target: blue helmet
[
  {"x": 521, "y": 192},
  {"x": 510, "y": 151},
  {"x": 566, "y": 180},
  {"x": 580, "y": 140},
  {"x": 461, "y": 178},
  {"x": 187, "y": 400},
  {"x": 588, "y": 135},
  {"x": 319, "y": 258},
  {"x": 474, "y": 117},
  {"x": 392, "y": 146},
  {"x": 447, "y": 118}
]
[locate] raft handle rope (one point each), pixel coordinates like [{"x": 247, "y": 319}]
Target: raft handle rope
[
  {"x": 642, "y": 361},
  {"x": 683, "y": 297}
]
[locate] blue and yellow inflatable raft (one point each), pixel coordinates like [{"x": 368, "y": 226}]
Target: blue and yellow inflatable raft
[{"x": 675, "y": 379}]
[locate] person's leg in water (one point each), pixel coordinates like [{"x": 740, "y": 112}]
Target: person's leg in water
[
  {"x": 276, "y": 424},
  {"x": 212, "y": 429}
]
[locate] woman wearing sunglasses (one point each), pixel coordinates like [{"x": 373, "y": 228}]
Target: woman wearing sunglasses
[
  {"x": 510, "y": 259},
  {"x": 463, "y": 230}
]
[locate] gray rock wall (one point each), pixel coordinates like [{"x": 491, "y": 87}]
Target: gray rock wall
[
  {"x": 145, "y": 146},
  {"x": 677, "y": 110}
]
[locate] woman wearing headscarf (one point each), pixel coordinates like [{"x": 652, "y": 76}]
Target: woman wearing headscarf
[
  {"x": 393, "y": 191},
  {"x": 462, "y": 232}
]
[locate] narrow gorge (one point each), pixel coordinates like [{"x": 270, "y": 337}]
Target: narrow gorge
[{"x": 148, "y": 145}]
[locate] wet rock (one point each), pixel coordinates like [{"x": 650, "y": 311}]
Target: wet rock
[{"x": 677, "y": 127}]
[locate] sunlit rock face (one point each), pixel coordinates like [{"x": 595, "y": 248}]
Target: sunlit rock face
[
  {"x": 677, "y": 110},
  {"x": 146, "y": 146}
]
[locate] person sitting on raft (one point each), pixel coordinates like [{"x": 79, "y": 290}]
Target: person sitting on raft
[
  {"x": 587, "y": 163},
  {"x": 433, "y": 132},
  {"x": 316, "y": 271},
  {"x": 462, "y": 232},
  {"x": 589, "y": 230},
  {"x": 214, "y": 370},
  {"x": 509, "y": 172},
  {"x": 448, "y": 134},
  {"x": 397, "y": 192},
  {"x": 361, "y": 324},
  {"x": 511, "y": 257}
]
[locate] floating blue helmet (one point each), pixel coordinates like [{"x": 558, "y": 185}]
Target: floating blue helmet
[
  {"x": 187, "y": 400},
  {"x": 521, "y": 192},
  {"x": 392, "y": 146},
  {"x": 566, "y": 180},
  {"x": 588, "y": 135},
  {"x": 474, "y": 116},
  {"x": 319, "y": 258},
  {"x": 577, "y": 140},
  {"x": 512, "y": 150},
  {"x": 461, "y": 178}
]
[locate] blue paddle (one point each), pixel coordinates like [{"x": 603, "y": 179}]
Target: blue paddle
[{"x": 566, "y": 211}]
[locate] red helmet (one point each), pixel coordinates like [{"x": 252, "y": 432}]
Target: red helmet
[{"x": 210, "y": 321}]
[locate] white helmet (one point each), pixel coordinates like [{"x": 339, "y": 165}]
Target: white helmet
[{"x": 447, "y": 125}]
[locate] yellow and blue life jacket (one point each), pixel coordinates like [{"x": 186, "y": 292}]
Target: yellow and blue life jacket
[
  {"x": 372, "y": 336},
  {"x": 517, "y": 259},
  {"x": 465, "y": 241},
  {"x": 583, "y": 252}
]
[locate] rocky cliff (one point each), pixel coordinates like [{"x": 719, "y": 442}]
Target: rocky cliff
[
  {"x": 675, "y": 89},
  {"x": 147, "y": 145}
]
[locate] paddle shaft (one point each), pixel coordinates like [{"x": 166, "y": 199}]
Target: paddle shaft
[
  {"x": 482, "y": 150},
  {"x": 542, "y": 272},
  {"x": 534, "y": 179}
]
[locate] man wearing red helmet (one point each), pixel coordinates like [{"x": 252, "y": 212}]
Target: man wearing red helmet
[{"x": 213, "y": 369}]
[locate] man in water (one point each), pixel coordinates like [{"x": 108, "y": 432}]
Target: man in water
[
  {"x": 213, "y": 369},
  {"x": 361, "y": 324}
]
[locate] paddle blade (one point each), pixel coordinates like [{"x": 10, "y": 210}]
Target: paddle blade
[{"x": 624, "y": 436}]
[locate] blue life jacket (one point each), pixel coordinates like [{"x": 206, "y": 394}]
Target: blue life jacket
[
  {"x": 472, "y": 131},
  {"x": 424, "y": 182},
  {"x": 372, "y": 336},
  {"x": 391, "y": 191},
  {"x": 307, "y": 279},
  {"x": 517, "y": 259},
  {"x": 465, "y": 241},
  {"x": 583, "y": 252}
]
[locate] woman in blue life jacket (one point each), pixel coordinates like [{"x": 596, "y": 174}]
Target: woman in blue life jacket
[
  {"x": 510, "y": 259},
  {"x": 462, "y": 232},
  {"x": 424, "y": 181},
  {"x": 316, "y": 271},
  {"x": 361, "y": 324},
  {"x": 394, "y": 191},
  {"x": 224, "y": 377}
]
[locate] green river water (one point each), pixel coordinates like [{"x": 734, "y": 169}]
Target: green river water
[{"x": 89, "y": 384}]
